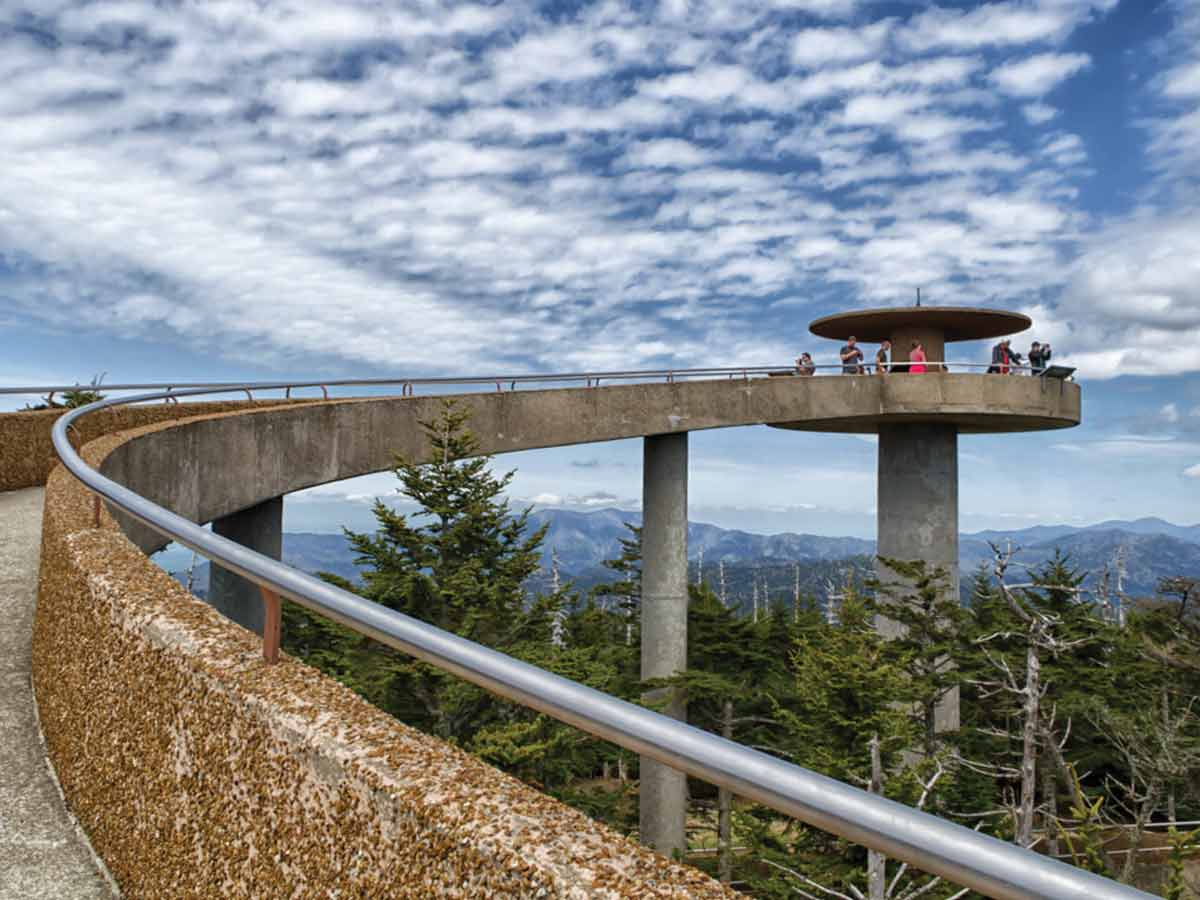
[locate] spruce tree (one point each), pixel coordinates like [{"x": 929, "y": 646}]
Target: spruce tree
[
  {"x": 459, "y": 563},
  {"x": 928, "y": 619}
]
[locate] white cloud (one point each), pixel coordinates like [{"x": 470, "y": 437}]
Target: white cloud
[
  {"x": 1037, "y": 75},
  {"x": 993, "y": 23},
  {"x": 566, "y": 54},
  {"x": 666, "y": 153},
  {"x": 1192, "y": 471},
  {"x": 708, "y": 85},
  {"x": 1183, "y": 81},
  {"x": 833, "y": 9},
  {"x": 1015, "y": 215},
  {"x": 816, "y": 47},
  {"x": 1064, "y": 149},
  {"x": 1038, "y": 113},
  {"x": 1134, "y": 447},
  {"x": 882, "y": 109}
]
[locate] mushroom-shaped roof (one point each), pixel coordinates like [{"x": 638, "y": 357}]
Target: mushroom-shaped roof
[{"x": 958, "y": 323}]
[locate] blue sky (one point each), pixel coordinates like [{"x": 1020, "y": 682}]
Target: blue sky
[{"x": 227, "y": 189}]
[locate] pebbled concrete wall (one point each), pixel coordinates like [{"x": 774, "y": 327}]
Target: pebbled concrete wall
[{"x": 199, "y": 772}]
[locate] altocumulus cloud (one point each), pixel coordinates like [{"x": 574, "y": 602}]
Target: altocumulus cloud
[{"x": 466, "y": 186}]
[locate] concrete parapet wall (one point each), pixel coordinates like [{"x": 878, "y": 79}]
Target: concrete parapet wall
[
  {"x": 200, "y": 772},
  {"x": 27, "y": 455}
]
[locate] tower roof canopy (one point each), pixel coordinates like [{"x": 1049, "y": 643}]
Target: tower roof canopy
[{"x": 957, "y": 323}]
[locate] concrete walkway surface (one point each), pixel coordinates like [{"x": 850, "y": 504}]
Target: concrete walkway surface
[{"x": 41, "y": 855}]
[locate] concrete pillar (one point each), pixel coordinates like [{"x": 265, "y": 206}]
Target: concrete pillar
[
  {"x": 260, "y": 528},
  {"x": 663, "y": 791},
  {"x": 918, "y": 512}
]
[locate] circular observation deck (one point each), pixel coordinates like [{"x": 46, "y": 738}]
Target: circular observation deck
[
  {"x": 933, "y": 326},
  {"x": 974, "y": 403}
]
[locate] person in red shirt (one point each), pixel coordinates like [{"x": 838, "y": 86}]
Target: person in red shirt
[{"x": 916, "y": 357}]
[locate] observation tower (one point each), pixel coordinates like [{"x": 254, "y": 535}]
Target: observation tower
[
  {"x": 163, "y": 471},
  {"x": 919, "y": 417}
]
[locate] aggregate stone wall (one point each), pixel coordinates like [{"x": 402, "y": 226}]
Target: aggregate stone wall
[
  {"x": 27, "y": 455},
  {"x": 198, "y": 771}
]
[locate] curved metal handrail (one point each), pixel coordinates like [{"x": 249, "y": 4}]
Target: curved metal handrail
[
  {"x": 175, "y": 389},
  {"x": 982, "y": 863}
]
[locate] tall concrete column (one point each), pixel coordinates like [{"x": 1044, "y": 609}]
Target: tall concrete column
[
  {"x": 663, "y": 790},
  {"x": 260, "y": 528},
  {"x": 918, "y": 514}
]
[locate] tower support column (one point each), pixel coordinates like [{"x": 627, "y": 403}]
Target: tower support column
[
  {"x": 918, "y": 514},
  {"x": 663, "y": 790},
  {"x": 259, "y": 527}
]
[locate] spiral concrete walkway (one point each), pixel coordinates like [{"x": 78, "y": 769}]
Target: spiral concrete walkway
[{"x": 41, "y": 856}]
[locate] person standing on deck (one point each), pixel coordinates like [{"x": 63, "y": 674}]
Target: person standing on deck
[
  {"x": 852, "y": 357},
  {"x": 883, "y": 364},
  {"x": 1039, "y": 358},
  {"x": 916, "y": 356},
  {"x": 999, "y": 364}
]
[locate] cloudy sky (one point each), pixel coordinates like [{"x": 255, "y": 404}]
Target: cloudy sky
[{"x": 225, "y": 188}]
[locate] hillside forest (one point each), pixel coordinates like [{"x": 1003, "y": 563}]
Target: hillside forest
[{"x": 1079, "y": 731}]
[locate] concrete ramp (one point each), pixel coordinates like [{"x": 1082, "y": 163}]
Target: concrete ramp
[{"x": 41, "y": 856}]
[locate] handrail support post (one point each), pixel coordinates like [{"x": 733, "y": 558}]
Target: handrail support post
[{"x": 272, "y": 616}]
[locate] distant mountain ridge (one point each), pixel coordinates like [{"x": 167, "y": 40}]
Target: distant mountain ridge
[
  {"x": 1147, "y": 525},
  {"x": 583, "y": 540},
  {"x": 589, "y": 538}
]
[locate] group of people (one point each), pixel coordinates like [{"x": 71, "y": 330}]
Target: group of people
[
  {"x": 1005, "y": 360},
  {"x": 854, "y": 362}
]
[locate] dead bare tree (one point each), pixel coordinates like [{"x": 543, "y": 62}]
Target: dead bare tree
[
  {"x": 836, "y": 595},
  {"x": 1184, "y": 589},
  {"x": 1160, "y": 751},
  {"x": 558, "y": 625},
  {"x": 878, "y": 886},
  {"x": 1119, "y": 598},
  {"x": 1037, "y": 732},
  {"x": 796, "y": 592},
  {"x": 191, "y": 573}
]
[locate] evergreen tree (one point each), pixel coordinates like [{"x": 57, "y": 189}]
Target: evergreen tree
[
  {"x": 624, "y": 594},
  {"x": 926, "y": 619},
  {"x": 729, "y": 668},
  {"x": 72, "y": 399},
  {"x": 849, "y": 684},
  {"x": 460, "y": 563}
]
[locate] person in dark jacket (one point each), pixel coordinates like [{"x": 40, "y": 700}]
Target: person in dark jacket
[{"x": 1039, "y": 358}]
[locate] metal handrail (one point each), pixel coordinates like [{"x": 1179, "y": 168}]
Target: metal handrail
[
  {"x": 175, "y": 389},
  {"x": 982, "y": 863}
]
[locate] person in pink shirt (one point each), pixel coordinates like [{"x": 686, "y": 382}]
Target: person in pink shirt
[{"x": 916, "y": 356}]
